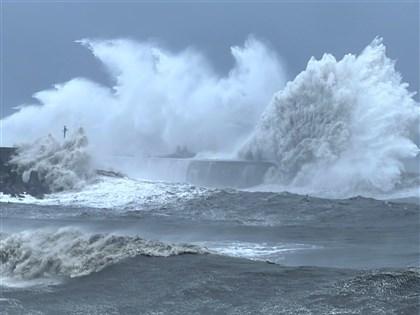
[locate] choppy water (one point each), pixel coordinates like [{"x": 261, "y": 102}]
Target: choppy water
[
  {"x": 179, "y": 249},
  {"x": 114, "y": 245}
]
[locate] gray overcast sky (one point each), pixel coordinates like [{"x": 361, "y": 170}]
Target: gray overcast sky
[{"x": 38, "y": 47}]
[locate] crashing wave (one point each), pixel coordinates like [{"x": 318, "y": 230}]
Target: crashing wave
[
  {"x": 344, "y": 126},
  {"x": 69, "y": 252},
  {"x": 158, "y": 99},
  {"x": 62, "y": 166}
]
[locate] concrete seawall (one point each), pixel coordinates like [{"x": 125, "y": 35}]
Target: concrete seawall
[
  {"x": 12, "y": 183},
  {"x": 201, "y": 172}
]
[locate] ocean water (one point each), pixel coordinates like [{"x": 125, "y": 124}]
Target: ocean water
[
  {"x": 126, "y": 246},
  {"x": 331, "y": 228}
]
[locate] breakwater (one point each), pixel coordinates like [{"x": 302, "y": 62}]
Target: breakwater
[{"x": 201, "y": 172}]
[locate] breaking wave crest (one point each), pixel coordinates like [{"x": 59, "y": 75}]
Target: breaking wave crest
[
  {"x": 62, "y": 166},
  {"x": 69, "y": 252},
  {"x": 345, "y": 126}
]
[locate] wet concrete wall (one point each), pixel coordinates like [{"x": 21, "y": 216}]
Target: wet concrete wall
[{"x": 201, "y": 172}]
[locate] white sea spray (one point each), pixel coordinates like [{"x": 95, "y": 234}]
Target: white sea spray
[
  {"x": 160, "y": 100},
  {"x": 62, "y": 166},
  {"x": 345, "y": 126}
]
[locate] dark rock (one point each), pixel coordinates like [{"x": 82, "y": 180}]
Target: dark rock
[
  {"x": 6, "y": 154},
  {"x": 17, "y": 182},
  {"x": 109, "y": 173},
  {"x": 11, "y": 182},
  {"x": 39, "y": 186},
  {"x": 34, "y": 192},
  {"x": 8, "y": 190}
]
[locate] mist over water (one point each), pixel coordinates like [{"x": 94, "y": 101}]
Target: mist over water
[{"x": 160, "y": 100}]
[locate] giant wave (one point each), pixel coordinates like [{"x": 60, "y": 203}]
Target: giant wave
[{"x": 341, "y": 127}]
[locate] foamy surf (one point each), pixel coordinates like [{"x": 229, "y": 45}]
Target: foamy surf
[
  {"x": 46, "y": 256},
  {"x": 262, "y": 251},
  {"x": 409, "y": 192},
  {"x": 117, "y": 193}
]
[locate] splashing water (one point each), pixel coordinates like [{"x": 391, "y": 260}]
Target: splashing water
[
  {"x": 343, "y": 126},
  {"x": 62, "y": 166},
  {"x": 71, "y": 252},
  {"x": 160, "y": 100}
]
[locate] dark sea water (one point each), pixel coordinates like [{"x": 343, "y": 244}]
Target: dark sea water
[{"x": 220, "y": 252}]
